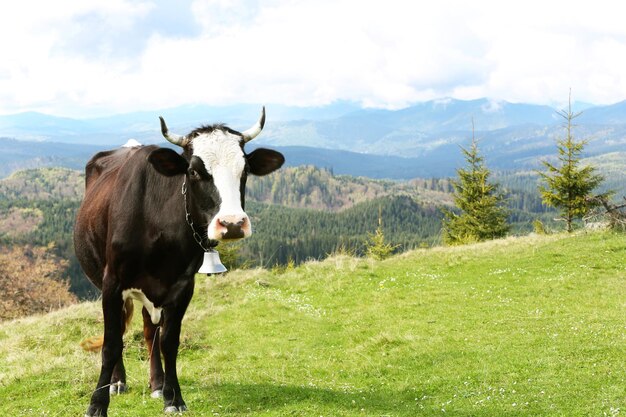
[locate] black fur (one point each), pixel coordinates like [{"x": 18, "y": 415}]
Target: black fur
[{"x": 208, "y": 129}]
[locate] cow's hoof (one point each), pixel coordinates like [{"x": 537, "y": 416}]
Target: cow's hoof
[
  {"x": 157, "y": 393},
  {"x": 94, "y": 411},
  {"x": 117, "y": 388},
  {"x": 174, "y": 409}
]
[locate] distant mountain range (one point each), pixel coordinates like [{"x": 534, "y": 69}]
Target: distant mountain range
[{"x": 421, "y": 140}]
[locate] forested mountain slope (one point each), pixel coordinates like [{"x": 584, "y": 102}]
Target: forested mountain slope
[
  {"x": 295, "y": 187},
  {"x": 298, "y": 214}
]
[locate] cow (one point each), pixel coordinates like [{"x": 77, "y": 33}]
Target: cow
[{"x": 148, "y": 216}]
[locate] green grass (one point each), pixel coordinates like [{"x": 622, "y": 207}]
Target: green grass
[{"x": 523, "y": 326}]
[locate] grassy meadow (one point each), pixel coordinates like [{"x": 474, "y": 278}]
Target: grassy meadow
[{"x": 530, "y": 326}]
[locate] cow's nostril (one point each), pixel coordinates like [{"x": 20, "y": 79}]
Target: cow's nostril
[{"x": 230, "y": 221}]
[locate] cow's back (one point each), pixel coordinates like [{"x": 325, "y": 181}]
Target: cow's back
[{"x": 91, "y": 230}]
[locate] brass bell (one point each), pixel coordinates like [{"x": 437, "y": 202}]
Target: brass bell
[{"x": 211, "y": 263}]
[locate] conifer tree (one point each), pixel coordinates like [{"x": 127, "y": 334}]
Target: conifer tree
[
  {"x": 377, "y": 247},
  {"x": 567, "y": 186},
  {"x": 482, "y": 215}
]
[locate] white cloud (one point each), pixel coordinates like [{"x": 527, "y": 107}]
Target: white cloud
[{"x": 383, "y": 54}]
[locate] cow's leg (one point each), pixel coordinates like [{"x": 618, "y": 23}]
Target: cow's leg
[
  {"x": 151, "y": 337},
  {"x": 111, "y": 350},
  {"x": 118, "y": 381},
  {"x": 170, "y": 340}
]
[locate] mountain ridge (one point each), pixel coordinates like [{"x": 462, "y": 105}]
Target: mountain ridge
[
  {"x": 421, "y": 140},
  {"x": 435, "y": 116}
]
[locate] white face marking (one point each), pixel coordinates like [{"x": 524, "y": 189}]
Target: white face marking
[
  {"x": 155, "y": 312},
  {"x": 224, "y": 159}
]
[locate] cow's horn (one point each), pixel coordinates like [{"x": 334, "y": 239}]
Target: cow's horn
[
  {"x": 175, "y": 139},
  {"x": 254, "y": 131}
]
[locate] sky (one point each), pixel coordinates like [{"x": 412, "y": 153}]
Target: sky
[{"x": 85, "y": 58}]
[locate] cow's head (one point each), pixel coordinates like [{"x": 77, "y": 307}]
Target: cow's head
[{"x": 216, "y": 168}]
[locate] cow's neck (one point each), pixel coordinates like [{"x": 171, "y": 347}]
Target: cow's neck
[{"x": 205, "y": 243}]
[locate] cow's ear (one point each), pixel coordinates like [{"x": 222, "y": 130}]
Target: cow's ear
[
  {"x": 168, "y": 162},
  {"x": 263, "y": 161}
]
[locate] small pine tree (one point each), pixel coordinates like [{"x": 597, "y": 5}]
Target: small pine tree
[
  {"x": 481, "y": 204},
  {"x": 568, "y": 186},
  {"x": 376, "y": 245},
  {"x": 539, "y": 227}
]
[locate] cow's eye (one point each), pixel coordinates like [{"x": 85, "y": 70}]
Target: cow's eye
[{"x": 193, "y": 174}]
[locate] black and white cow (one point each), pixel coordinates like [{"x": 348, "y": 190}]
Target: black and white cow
[{"x": 138, "y": 236}]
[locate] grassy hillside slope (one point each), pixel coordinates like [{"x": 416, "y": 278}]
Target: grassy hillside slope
[{"x": 524, "y": 326}]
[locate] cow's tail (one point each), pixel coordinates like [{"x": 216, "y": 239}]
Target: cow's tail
[{"x": 94, "y": 344}]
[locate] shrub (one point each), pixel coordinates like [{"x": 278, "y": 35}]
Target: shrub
[{"x": 31, "y": 282}]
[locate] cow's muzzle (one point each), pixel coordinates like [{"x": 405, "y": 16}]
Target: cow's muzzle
[{"x": 231, "y": 227}]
